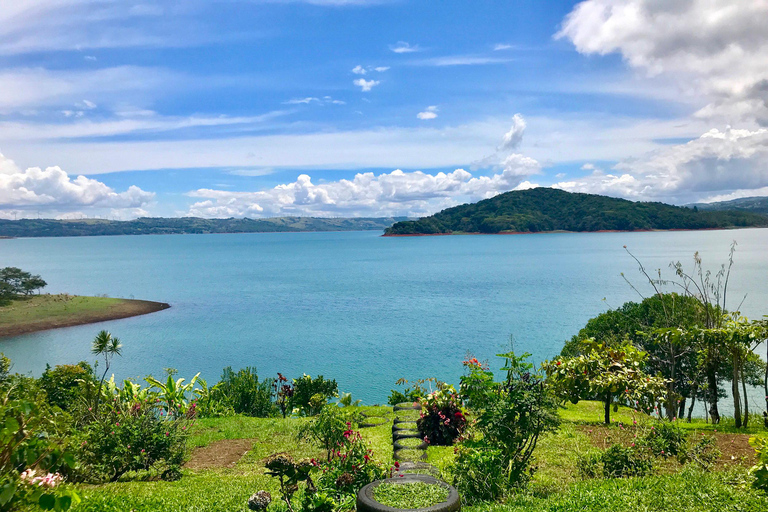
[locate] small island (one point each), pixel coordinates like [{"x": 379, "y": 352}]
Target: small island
[
  {"x": 22, "y": 311},
  {"x": 542, "y": 209}
]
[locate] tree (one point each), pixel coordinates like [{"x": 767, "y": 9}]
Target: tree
[
  {"x": 107, "y": 346},
  {"x": 14, "y": 282},
  {"x": 612, "y": 375}
]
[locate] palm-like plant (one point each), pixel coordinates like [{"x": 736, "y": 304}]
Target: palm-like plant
[{"x": 107, "y": 346}]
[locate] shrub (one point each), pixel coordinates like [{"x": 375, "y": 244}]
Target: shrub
[
  {"x": 590, "y": 464},
  {"x": 131, "y": 432},
  {"x": 243, "y": 392},
  {"x": 310, "y": 395},
  {"x": 412, "y": 393},
  {"x": 703, "y": 453},
  {"x": 760, "y": 470},
  {"x": 331, "y": 429},
  {"x": 478, "y": 474},
  {"x": 619, "y": 461},
  {"x": 664, "y": 439},
  {"x": 442, "y": 419},
  {"x": 32, "y": 451},
  {"x": 68, "y": 385}
]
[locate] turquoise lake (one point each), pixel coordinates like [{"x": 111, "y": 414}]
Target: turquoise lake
[{"x": 357, "y": 307}]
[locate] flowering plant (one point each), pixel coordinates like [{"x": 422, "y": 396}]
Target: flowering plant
[{"x": 442, "y": 417}]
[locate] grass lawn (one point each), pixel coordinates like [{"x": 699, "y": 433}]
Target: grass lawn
[
  {"x": 40, "y": 312},
  {"x": 556, "y": 485}
]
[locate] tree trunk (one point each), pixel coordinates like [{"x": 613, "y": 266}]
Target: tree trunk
[
  {"x": 693, "y": 402},
  {"x": 712, "y": 392},
  {"x": 608, "y": 408},
  {"x": 735, "y": 391},
  {"x": 681, "y": 409},
  {"x": 746, "y": 399}
]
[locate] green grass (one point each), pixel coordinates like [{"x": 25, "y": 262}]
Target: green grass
[
  {"x": 410, "y": 495},
  {"x": 556, "y": 485},
  {"x": 42, "y": 307}
]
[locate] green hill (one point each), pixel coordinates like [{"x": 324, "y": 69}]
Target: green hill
[
  {"x": 185, "y": 225},
  {"x": 745, "y": 204},
  {"x": 547, "y": 209}
]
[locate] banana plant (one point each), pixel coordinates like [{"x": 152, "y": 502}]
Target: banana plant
[{"x": 174, "y": 393}]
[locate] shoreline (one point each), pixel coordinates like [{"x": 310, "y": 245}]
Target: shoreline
[
  {"x": 116, "y": 309},
  {"x": 472, "y": 233}
]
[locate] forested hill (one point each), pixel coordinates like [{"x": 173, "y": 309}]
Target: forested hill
[
  {"x": 547, "y": 209},
  {"x": 745, "y": 204},
  {"x": 185, "y": 225}
]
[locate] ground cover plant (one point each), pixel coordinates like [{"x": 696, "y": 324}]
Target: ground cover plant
[{"x": 410, "y": 495}]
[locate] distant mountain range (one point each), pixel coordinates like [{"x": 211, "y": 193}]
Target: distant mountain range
[
  {"x": 547, "y": 209},
  {"x": 745, "y": 204},
  {"x": 186, "y": 225}
]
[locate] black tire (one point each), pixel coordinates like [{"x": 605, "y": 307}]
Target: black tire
[
  {"x": 397, "y": 446},
  {"x": 407, "y": 435},
  {"x": 421, "y": 457},
  {"x": 405, "y": 406},
  {"x": 403, "y": 469},
  {"x": 398, "y": 421},
  {"x": 367, "y": 503},
  {"x": 372, "y": 423}
]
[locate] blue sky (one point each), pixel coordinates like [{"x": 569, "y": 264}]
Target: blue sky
[{"x": 388, "y": 107}]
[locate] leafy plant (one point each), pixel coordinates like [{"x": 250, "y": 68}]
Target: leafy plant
[
  {"x": 410, "y": 494},
  {"x": 704, "y": 453},
  {"x": 664, "y": 439},
  {"x": 479, "y": 474},
  {"x": 613, "y": 375},
  {"x": 68, "y": 384},
  {"x": 283, "y": 393},
  {"x": 590, "y": 464},
  {"x": 31, "y": 453},
  {"x": 173, "y": 394},
  {"x": 290, "y": 474},
  {"x": 107, "y": 346},
  {"x": 760, "y": 470},
  {"x": 620, "y": 461},
  {"x": 244, "y": 393},
  {"x": 132, "y": 432},
  {"x": 331, "y": 429},
  {"x": 310, "y": 395},
  {"x": 442, "y": 419}
]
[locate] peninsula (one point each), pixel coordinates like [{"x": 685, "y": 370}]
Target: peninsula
[
  {"x": 42, "y": 312},
  {"x": 547, "y": 209}
]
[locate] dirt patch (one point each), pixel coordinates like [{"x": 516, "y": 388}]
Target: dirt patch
[
  {"x": 219, "y": 454},
  {"x": 735, "y": 448}
]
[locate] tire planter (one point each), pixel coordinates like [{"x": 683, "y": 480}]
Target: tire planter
[
  {"x": 407, "y": 415},
  {"x": 404, "y": 424},
  {"x": 366, "y": 502},
  {"x": 373, "y": 421},
  {"x": 397, "y": 444},
  {"x": 404, "y": 406},
  {"x": 407, "y": 469},
  {"x": 410, "y": 455}
]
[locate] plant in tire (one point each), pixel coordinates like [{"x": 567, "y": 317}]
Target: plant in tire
[{"x": 442, "y": 419}]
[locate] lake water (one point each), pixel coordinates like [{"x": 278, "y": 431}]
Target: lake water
[{"x": 357, "y": 307}]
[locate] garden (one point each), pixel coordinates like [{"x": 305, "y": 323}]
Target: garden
[{"x": 606, "y": 425}]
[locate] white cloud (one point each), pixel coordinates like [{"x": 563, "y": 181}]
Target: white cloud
[
  {"x": 381, "y": 69},
  {"x": 718, "y": 47},
  {"x": 514, "y": 137},
  {"x": 395, "y": 193},
  {"x": 460, "y": 60},
  {"x": 52, "y": 189},
  {"x": 429, "y": 113},
  {"x": 403, "y": 47},
  {"x": 366, "y": 85},
  {"x": 717, "y": 164},
  {"x": 359, "y": 70},
  {"x": 88, "y": 104},
  {"x": 502, "y": 46},
  {"x": 299, "y": 101}
]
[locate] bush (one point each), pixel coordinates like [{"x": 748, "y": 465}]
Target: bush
[
  {"x": 760, "y": 470},
  {"x": 619, "y": 461},
  {"x": 68, "y": 385},
  {"x": 703, "y": 453},
  {"x": 590, "y": 465},
  {"x": 243, "y": 392},
  {"x": 331, "y": 429},
  {"x": 131, "y": 432},
  {"x": 442, "y": 419},
  {"x": 310, "y": 395},
  {"x": 32, "y": 450},
  {"x": 664, "y": 439},
  {"x": 478, "y": 474}
]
